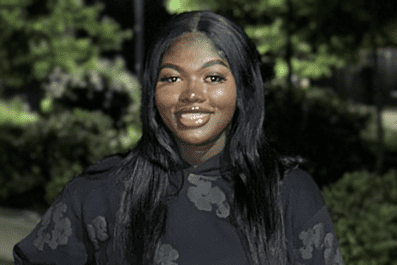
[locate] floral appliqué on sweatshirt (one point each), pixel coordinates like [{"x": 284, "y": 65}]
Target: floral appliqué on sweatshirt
[
  {"x": 166, "y": 255},
  {"x": 61, "y": 228},
  {"x": 97, "y": 231},
  {"x": 204, "y": 195},
  {"x": 316, "y": 238}
]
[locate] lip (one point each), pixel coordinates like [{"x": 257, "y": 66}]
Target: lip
[
  {"x": 195, "y": 121},
  {"x": 193, "y": 109},
  {"x": 192, "y": 122}
]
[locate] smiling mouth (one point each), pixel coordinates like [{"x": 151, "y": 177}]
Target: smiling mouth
[
  {"x": 194, "y": 120},
  {"x": 194, "y": 116}
]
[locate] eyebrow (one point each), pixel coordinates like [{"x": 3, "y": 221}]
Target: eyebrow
[{"x": 205, "y": 65}]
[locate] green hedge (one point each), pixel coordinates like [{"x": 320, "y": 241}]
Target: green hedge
[
  {"x": 42, "y": 156},
  {"x": 364, "y": 210}
]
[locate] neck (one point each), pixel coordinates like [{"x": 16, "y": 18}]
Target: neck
[{"x": 197, "y": 154}]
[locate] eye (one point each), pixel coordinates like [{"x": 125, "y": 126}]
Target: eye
[
  {"x": 215, "y": 79},
  {"x": 169, "y": 79}
]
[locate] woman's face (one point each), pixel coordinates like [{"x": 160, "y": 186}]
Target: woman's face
[{"x": 196, "y": 91}]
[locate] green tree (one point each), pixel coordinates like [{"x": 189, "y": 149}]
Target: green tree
[
  {"x": 60, "y": 43},
  {"x": 322, "y": 34},
  {"x": 64, "y": 46},
  {"x": 273, "y": 25}
]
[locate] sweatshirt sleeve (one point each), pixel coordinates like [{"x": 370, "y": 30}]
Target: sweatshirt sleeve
[
  {"x": 316, "y": 241},
  {"x": 311, "y": 238},
  {"x": 59, "y": 238},
  {"x": 76, "y": 229}
]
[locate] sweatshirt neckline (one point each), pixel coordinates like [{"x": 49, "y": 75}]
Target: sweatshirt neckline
[{"x": 213, "y": 166}]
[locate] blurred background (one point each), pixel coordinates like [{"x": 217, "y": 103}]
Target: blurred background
[{"x": 70, "y": 95}]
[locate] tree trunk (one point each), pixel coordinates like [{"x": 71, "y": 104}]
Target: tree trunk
[
  {"x": 380, "y": 148},
  {"x": 378, "y": 89},
  {"x": 288, "y": 48},
  {"x": 138, "y": 36}
]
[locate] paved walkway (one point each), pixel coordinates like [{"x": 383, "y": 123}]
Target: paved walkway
[{"x": 14, "y": 226}]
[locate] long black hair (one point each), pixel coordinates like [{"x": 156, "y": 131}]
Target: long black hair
[{"x": 255, "y": 166}]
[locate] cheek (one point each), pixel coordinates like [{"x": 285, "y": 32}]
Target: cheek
[
  {"x": 165, "y": 106},
  {"x": 160, "y": 104},
  {"x": 225, "y": 97},
  {"x": 166, "y": 97},
  {"x": 161, "y": 100}
]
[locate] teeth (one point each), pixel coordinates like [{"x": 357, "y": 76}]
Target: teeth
[{"x": 194, "y": 116}]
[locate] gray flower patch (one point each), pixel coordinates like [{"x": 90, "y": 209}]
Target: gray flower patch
[
  {"x": 166, "y": 255},
  {"x": 310, "y": 238},
  {"x": 97, "y": 231},
  {"x": 316, "y": 238},
  {"x": 331, "y": 257},
  {"x": 204, "y": 195},
  {"x": 61, "y": 232}
]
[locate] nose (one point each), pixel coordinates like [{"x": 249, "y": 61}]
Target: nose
[{"x": 193, "y": 92}]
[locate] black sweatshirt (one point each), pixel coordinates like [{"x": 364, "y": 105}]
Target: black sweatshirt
[{"x": 78, "y": 227}]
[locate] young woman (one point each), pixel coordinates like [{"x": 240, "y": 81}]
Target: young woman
[{"x": 202, "y": 186}]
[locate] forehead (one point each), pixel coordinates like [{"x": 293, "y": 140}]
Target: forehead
[{"x": 192, "y": 44}]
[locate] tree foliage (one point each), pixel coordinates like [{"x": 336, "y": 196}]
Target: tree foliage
[
  {"x": 65, "y": 47},
  {"x": 365, "y": 221},
  {"x": 323, "y": 34},
  {"x": 60, "y": 42},
  {"x": 316, "y": 125},
  {"x": 41, "y": 157}
]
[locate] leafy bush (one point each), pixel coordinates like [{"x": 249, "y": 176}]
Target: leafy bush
[
  {"x": 319, "y": 127},
  {"x": 61, "y": 45},
  {"x": 45, "y": 155},
  {"x": 40, "y": 36},
  {"x": 65, "y": 47},
  {"x": 15, "y": 112},
  {"x": 364, "y": 210}
]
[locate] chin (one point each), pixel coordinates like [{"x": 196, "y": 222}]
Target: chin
[{"x": 198, "y": 141}]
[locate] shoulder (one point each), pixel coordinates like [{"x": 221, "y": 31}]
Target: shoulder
[
  {"x": 103, "y": 165},
  {"x": 309, "y": 229},
  {"x": 96, "y": 189},
  {"x": 301, "y": 197},
  {"x": 98, "y": 174},
  {"x": 79, "y": 222},
  {"x": 300, "y": 183}
]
